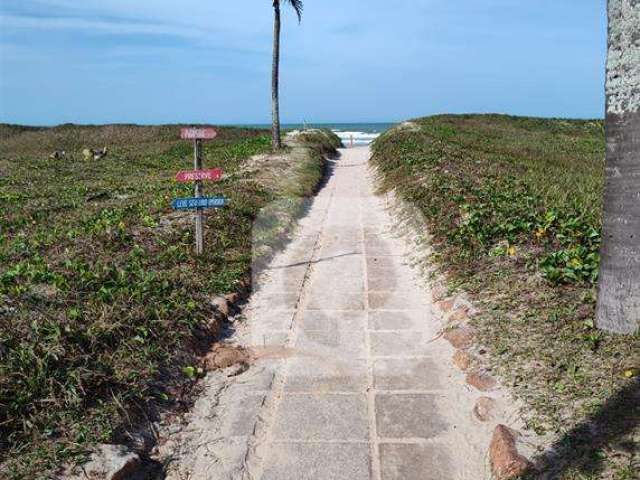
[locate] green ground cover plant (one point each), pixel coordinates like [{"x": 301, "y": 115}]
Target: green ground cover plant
[
  {"x": 103, "y": 308},
  {"x": 513, "y": 206}
]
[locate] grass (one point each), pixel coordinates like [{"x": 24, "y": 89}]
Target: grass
[
  {"x": 513, "y": 206},
  {"x": 103, "y": 307}
]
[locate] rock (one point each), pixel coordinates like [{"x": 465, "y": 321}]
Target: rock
[
  {"x": 484, "y": 409},
  {"x": 95, "y": 154},
  {"x": 232, "y": 298},
  {"x": 221, "y": 306},
  {"x": 460, "y": 337},
  {"x": 100, "y": 153},
  {"x": 460, "y": 315},
  {"x": 225, "y": 356},
  {"x": 111, "y": 462},
  {"x": 505, "y": 461},
  {"x": 462, "y": 360},
  {"x": 445, "y": 306},
  {"x": 481, "y": 381}
]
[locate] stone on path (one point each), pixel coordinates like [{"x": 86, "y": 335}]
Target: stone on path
[
  {"x": 462, "y": 360},
  {"x": 484, "y": 409},
  {"x": 482, "y": 381},
  {"x": 460, "y": 337},
  {"x": 507, "y": 464}
]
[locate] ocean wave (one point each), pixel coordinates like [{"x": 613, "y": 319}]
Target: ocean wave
[{"x": 360, "y": 138}]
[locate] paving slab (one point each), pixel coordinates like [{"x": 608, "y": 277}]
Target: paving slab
[
  {"x": 242, "y": 420},
  {"x": 421, "y": 461},
  {"x": 333, "y": 320},
  {"x": 269, "y": 338},
  {"x": 408, "y": 374},
  {"x": 274, "y": 320},
  {"x": 415, "y": 320},
  {"x": 401, "y": 343},
  {"x": 390, "y": 283},
  {"x": 281, "y": 301},
  {"x": 321, "y": 375},
  {"x": 409, "y": 416},
  {"x": 385, "y": 261},
  {"x": 397, "y": 300},
  {"x": 323, "y": 280},
  {"x": 335, "y": 300},
  {"x": 322, "y": 417},
  {"x": 287, "y": 279},
  {"x": 318, "y": 461},
  {"x": 340, "y": 269},
  {"x": 332, "y": 344}
]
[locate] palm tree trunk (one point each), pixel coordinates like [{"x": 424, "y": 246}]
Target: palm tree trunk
[
  {"x": 619, "y": 289},
  {"x": 275, "y": 79}
]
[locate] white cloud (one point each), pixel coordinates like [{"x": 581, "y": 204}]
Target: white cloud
[
  {"x": 199, "y": 15},
  {"x": 100, "y": 26}
]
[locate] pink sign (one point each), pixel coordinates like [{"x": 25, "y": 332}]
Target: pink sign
[
  {"x": 198, "y": 133},
  {"x": 213, "y": 174}
]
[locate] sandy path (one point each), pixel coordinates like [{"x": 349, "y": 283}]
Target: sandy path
[{"x": 352, "y": 384}]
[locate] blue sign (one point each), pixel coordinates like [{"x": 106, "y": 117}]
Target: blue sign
[{"x": 201, "y": 202}]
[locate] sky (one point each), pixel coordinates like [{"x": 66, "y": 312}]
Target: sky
[{"x": 208, "y": 61}]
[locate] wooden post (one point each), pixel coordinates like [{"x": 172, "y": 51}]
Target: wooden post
[
  {"x": 197, "y": 135},
  {"x": 197, "y": 165}
]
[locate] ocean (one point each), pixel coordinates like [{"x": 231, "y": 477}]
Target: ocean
[{"x": 358, "y": 133}]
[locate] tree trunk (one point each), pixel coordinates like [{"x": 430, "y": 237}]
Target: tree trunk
[
  {"x": 275, "y": 79},
  {"x": 619, "y": 288}
]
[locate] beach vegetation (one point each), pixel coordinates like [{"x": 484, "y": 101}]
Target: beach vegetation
[
  {"x": 513, "y": 208},
  {"x": 104, "y": 308}
]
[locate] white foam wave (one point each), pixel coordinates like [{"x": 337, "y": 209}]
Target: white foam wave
[{"x": 359, "y": 138}]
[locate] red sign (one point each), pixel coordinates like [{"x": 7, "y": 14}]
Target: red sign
[
  {"x": 198, "y": 133},
  {"x": 213, "y": 174}
]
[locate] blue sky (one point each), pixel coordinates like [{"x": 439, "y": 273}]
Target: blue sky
[{"x": 166, "y": 61}]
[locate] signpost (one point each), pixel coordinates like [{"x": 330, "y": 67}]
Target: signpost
[
  {"x": 199, "y": 202},
  {"x": 198, "y": 133},
  {"x": 197, "y": 176},
  {"x": 213, "y": 174}
]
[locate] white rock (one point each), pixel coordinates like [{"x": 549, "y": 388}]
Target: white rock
[{"x": 110, "y": 462}]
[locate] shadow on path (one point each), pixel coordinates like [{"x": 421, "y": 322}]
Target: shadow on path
[
  {"x": 313, "y": 262},
  {"x": 579, "y": 449}
]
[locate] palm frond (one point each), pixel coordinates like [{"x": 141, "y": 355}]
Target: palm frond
[{"x": 298, "y": 6}]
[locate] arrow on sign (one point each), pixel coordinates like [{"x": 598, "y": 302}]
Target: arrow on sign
[
  {"x": 199, "y": 202},
  {"x": 198, "y": 133},
  {"x": 213, "y": 174}
]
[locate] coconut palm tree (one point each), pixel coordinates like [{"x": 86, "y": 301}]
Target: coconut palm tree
[
  {"x": 619, "y": 288},
  {"x": 275, "y": 74}
]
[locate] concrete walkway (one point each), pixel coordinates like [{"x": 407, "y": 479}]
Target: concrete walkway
[{"x": 352, "y": 382}]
